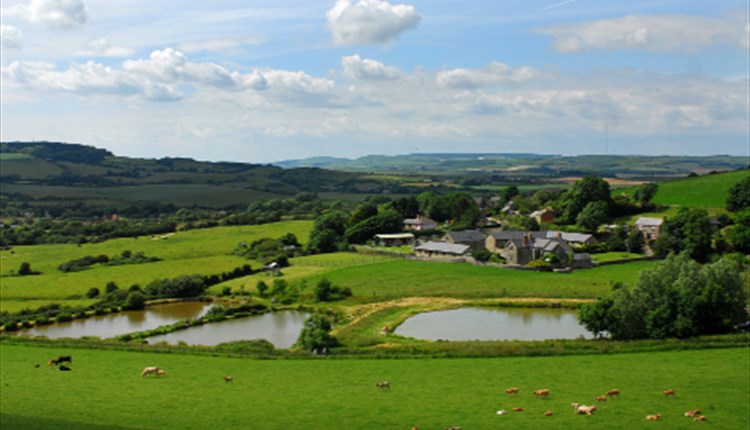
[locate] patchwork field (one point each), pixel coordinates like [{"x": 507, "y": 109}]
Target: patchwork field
[{"x": 104, "y": 391}]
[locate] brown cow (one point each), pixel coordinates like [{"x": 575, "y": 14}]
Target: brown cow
[
  {"x": 512, "y": 390},
  {"x": 699, "y": 418},
  {"x": 613, "y": 393},
  {"x": 149, "y": 370},
  {"x": 541, "y": 393},
  {"x": 669, "y": 392},
  {"x": 161, "y": 373},
  {"x": 228, "y": 379},
  {"x": 693, "y": 413},
  {"x": 517, "y": 410},
  {"x": 548, "y": 414},
  {"x": 601, "y": 398},
  {"x": 655, "y": 417}
]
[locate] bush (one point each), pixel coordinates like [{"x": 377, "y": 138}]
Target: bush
[
  {"x": 135, "y": 301},
  {"x": 316, "y": 335},
  {"x": 325, "y": 291},
  {"x": 92, "y": 292}
]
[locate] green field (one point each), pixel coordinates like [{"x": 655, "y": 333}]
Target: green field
[
  {"x": 189, "y": 252},
  {"x": 404, "y": 278},
  {"x": 105, "y": 391}
]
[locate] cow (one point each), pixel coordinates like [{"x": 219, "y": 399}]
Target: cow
[
  {"x": 548, "y": 414},
  {"x": 669, "y": 392},
  {"x": 601, "y": 398},
  {"x": 64, "y": 368},
  {"x": 228, "y": 379},
  {"x": 149, "y": 370},
  {"x": 693, "y": 413},
  {"x": 613, "y": 393},
  {"x": 61, "y": 359},
  {"x": 655, "y": 417},
  {"x": 512, "y": 390},
  {"x": 383, "y": 384},
  {"x": 699, "y": 418},
  {"x": 161, "y": 373},
  {"x": 588, "y": 410},
  {"x": 541, "y": 393}
]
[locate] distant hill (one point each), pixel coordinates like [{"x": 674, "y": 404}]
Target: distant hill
[{"x": 530, "y": 165}]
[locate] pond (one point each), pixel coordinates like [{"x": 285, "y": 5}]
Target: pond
[
  {"x": 111, "y": 325},
  {"x": 494, "y": 324},
  {"x": 280, "y": 328}
]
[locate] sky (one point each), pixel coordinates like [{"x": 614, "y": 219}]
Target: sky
[{"x": 266, "y": 80}]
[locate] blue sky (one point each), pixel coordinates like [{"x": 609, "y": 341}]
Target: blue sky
[{"x": 267, "y": 80}]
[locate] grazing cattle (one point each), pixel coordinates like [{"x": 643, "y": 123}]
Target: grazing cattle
[
  {"x": 501, "y": 412},
  {"x": 668, "y": 393},
  {"x": 61, "y": 359},
  {"x": 517, "y": 410},
  {"x": 513, "y": 390},
  {"x": 575, "y": 407},
  {"x": 586, "y": 410},
  {"x": 452, "y": 428},
  {"x": 37, "y": 365},
  {"x": 656, "y": 417},
  {"x": 541, "y": 393},
  {"x": 613, "y": 393},
  {"x": 228, "y": 379},
  {"x": 149, "y": 370},
  {"x": 161, "y": 373},
  {"x": 64, "y": 368},
  {"x": 693, "y": 413},
  {"x": 601, "y": 398},
  {"x": 548, "y": 414},
  {"x": 414, "y": 428},
  {"x": 383, "y": 384},
  {"x": 699, "y": 418}
]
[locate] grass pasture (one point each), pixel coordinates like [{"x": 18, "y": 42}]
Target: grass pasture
[
  {"x": 406, "y": 278},
  {"x": 190, "y": 252},
  {"x": 105, "y": 391}
]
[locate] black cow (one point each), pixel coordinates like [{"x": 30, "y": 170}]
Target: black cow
[{"x": 64, "y": 368}]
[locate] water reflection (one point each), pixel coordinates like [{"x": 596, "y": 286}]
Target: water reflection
[
  {"x": 105, "y": 326},
  {"x": 280, "y": 328},
  {"x": 492, "y": 324}
]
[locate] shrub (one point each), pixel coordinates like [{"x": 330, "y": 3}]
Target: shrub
[
  {"x": 316, "y": 335},
  {"x": 92, "y": 292}
]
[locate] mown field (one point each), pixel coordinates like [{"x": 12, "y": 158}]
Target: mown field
[
  {"x": 204, "y": 252},
  {"x": 104, "y": 391}
]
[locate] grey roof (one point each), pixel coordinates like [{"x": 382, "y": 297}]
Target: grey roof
[
  {"x": 570, "y": 237},
  {"x": 443, "y": 247},
  {"x": 649, "y": 222},
  {"x": 419, "y": 221},
  {"x": 506, "y": 235},
  {"x": 466, "y": 236}
]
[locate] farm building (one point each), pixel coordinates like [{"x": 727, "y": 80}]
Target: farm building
[
  {"x": 651, "y": 227},
  {"x": 419, "y": 223},
  {"x": 528, "y": 248},
  {"x": 543, "y": 216},
  {"x": 395, "y": 239},
  {"x": 441, "y": 250},
  {"x": 579, "y": 239},
  {"x": 474, "y": 238}
]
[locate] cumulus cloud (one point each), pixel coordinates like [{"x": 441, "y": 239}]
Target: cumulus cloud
[
  {"x": 679, "y": 33},
  {"x": 55, "y": 14},
  {"x": 169, "y": 65},
  {"x": 101, "y": 47},
  {"x": 496, "y": 72},
  {"x": 369, "y": 21},
  {"x": 10, "y": 36},
  {"x": 356, "y": 67},
  {"x": 217, "y": 45}
]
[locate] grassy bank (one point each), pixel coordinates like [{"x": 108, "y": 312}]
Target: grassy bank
[{"x": 105, "y": 391}]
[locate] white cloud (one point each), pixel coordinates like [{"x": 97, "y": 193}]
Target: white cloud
[
  {"x": 217, "y": 45},
  {"x": 10, "y": 36},
  {"x": 102, "y": 48},
  {"x": 745, "y": 39},
  {"x": 55, "y": 14},
  {"x": 679, "y": 33},
  {"x": 496, "y": 72},
  {"x": 168, "y": 66},
  {"x": 369, "y": 21},
  {"x": 357, "y": 68}
]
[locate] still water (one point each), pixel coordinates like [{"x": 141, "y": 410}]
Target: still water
[
  {"x": 494, "y": 324},
  {"x": 280, "y": 328},
  {"x": 110, "y": 325}
]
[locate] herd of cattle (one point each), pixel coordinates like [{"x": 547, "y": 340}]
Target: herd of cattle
[{"x": 543, "y": 393}]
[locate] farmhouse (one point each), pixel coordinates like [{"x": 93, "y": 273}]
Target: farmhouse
[
  {"x": 419, "y": 223},
  {"x": 651, "y": 227},
  {"x": 474, "y": 238},
  {"x": 543, "y": 216},
  {"x": 441, "y": 250},
  {"x": 522, "y": 252},
  {"x": 395, "y": 239},
  {"x": 578, "y": 239}
]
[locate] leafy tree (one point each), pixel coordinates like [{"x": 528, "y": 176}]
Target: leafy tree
[
  {"x": 92, "y": 292},
  {"x": 635, "y": 241},
  {"x": 328, "y": 231},
  {"x": 509, "y": 193},
  {"x": 110, "y": 287},
  {"x": 739, "y": 196},
  {"x": 316, "y": 334},
  {"x": 25, "y": 269},
  {"x": 645, "y": 193},
  {"x": 738, "y": 234},
  {"x": 408, "y": 207},
  {"x": 677, "y": 298},
  {"x": 364, "y": 211},
  {"x": 325, "y": 291},
  {"x": 262, "y": 288},
  {"x": 386, "y": 221},
  {"x": 616, "y": 241},
  {"x": 689, "y": 231},
  {"x": 592, "y": 216},
  {"x": 584, "y": 191},
  {"x": 135, "y": 301}
]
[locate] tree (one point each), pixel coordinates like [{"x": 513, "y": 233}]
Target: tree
[
  {"x": 584, "y": 191},
  {"x": 677, "y": 298},
  {"x": 386, "y": 221},
  {"x": 316, "y": 334},
  {"x": 325, "y": 291},
  {"x": 592, "y": 216},
  {"x": 508, "y": 193},
  {"x": 135, "y": 301},
  {"x": 644, "y": 193},
  {"x": 110, "y": 287},
  {"x": 738, "y": 234},
  {"x": 616, "y": 241},
  {"x": 328, "y": 230},
  {"x": 689, "y": 231},
  {"x": 25, "y": 269},
  {"x": 739, "y": 196},
  {"x": 92, "y": 292},
  {"x": 262, "y": 288},
  {"x": 635, "y": 241}
]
